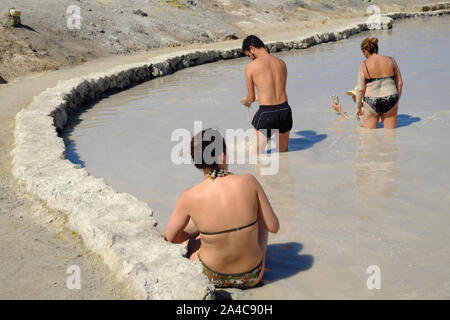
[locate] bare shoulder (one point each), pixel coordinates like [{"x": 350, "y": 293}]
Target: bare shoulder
[
  {"x": 279, "y": 60},
  {"x": 251, "y": 65},
  {"x": 361, "y": 66},
  {"x": 188, "y": 194},
  {"x": 392, "y": 60},
  {"x": 386, "y": 58},
  {"x": 246, "y": 178},
  {"x": 389, "y": 61}
]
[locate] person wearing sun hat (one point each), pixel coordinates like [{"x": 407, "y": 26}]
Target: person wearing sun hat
[{"x": 352, "y": 93}]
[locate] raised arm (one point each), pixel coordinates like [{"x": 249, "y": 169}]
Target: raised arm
[
  {"x": 178, "y": 221},
  {"x": 265, "y": 211}
]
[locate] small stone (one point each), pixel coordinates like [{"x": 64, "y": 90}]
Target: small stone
[
  {"x": 139, "y": 12},
  {"x": 231, "y": 36}
]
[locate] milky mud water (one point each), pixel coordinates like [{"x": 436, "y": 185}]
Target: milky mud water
[{"x": 363, "y": 214}]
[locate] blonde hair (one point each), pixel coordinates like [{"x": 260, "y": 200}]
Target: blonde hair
[{"x": 370, "y": 44}]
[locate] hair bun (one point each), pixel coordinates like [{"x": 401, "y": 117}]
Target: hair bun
[{"x": 370, "y": 44}]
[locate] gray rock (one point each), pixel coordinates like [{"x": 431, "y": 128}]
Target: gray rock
[{"x": 230, "y": 35}]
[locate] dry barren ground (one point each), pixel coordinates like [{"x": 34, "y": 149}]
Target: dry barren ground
[{"x": 50, "y": 36}]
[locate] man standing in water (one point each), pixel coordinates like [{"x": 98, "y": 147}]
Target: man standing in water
[{"x": 269, "y": 75}]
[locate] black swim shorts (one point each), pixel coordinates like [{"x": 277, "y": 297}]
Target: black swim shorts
[{"x": 277, "y": 117}]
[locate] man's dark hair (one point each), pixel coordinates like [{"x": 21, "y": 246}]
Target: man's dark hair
[{"x": 252, "y": 41}]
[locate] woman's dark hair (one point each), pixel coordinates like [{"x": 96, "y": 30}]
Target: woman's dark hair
[
  {"x": 370, "y": 44},
  {"x": 253, "y": 41},
  {"x": 206, "y": 148}
]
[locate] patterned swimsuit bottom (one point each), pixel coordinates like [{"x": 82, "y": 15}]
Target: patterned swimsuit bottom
[
  {"x": 242, "y": 280},
  {"x": 382, "y": 104}
]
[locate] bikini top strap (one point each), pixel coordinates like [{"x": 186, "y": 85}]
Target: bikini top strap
[
  {"x": 367, "y": 70},
  {"x": 230, "y": 230}
]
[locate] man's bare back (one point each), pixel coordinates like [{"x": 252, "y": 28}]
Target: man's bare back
[{"x": 269, "y": 75}]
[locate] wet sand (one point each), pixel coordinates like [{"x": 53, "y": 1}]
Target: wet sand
[{"x": 346, "y": 198}]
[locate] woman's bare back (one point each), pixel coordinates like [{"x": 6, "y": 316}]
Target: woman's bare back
[
  {"x": 222, "y": 204},
  {"x": 379, "y": 66}
]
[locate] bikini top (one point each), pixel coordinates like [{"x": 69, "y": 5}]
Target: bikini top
[
  {"x": 213, "y": 174},
  {"x": 383, "y": 78},
  {"x": 230, "y": 230}
]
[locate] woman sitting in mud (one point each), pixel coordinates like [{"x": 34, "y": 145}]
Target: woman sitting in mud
[{"x": 225, "y": 219}]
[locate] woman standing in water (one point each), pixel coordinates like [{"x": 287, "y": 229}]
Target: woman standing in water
[
  {"x": 225, "y": 219},
  {"x": 379, "y": 87}
]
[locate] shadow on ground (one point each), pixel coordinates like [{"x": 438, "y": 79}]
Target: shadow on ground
[
  {"x": 283, "y": 261},
  {"x": 26, "y": 27},
  {"x": 404, "y": 120},
  {"x": 75, "y": 119},
  {"x": 71, "y": 147},
  {"x": 72, "y": 154}
]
